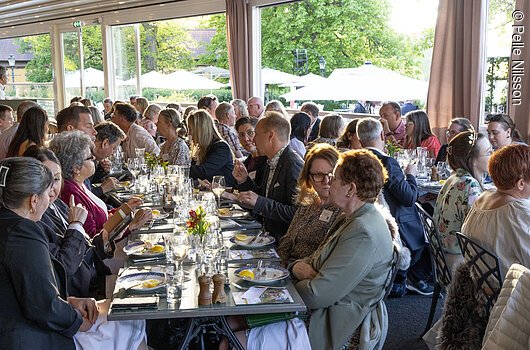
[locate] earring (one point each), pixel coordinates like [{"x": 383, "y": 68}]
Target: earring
[
  {"x": 31, "y": 211},
  {"x": 348, "y": 195}
]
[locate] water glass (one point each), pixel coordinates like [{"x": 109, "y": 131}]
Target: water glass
[
  {"x": 173, "y": 283},
  {"x": 140, "y": 153}
]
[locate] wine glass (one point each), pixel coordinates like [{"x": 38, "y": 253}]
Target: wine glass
[
  {"x": 133, "y": 164},
  {"x": 218, "y": 187},
  {"x": 180, "y": 252}
]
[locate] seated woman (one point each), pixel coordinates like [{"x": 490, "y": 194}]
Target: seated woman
[
  {"x": 300, "y": 129},
  {"x": 329, "y": 131},
  {"x": 31, "y": 131},
  {"x": 358, "y": 245},
  {"x": 456, "y": 126},
  {"x": 254, "y": 163},
  {"x": 349, "y": 140},
  {"x": 174, "y": 150},
  {"x": 343, "y": 281},
  {"x": 277, "y": 106},
  {"x": 150, "y": 120},
  {"x": 210, "y": 153},
  {"x": 73, "y": 149},
  {"x": 502, "y": 131},
  {"x": 500, "y": 220},
  {"x": 419, "y": 133},
  {"x": 36, "y": 310},
  {"x": 468, "y": 155},
  {"x": 315, "y": 213}
]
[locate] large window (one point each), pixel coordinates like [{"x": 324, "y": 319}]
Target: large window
[
  {"x": 28, "y": 60},
  {"x": 177, "y": 60}
]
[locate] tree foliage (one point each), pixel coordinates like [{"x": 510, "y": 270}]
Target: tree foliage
[{"x": 344, "y": 32}]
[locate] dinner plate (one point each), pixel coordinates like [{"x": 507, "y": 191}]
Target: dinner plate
[
  {"x": 258, "y": 243},
  {"x": 160, "y": 216},
  {"x": 432, "y": 184},
  {"x": 143, "y": 281},
  {"x": 139, "y": 249},
  {"x": 232, "y": 214},
  {"x": 272, "y": 274},
  {"x": 127, "y": 195}
]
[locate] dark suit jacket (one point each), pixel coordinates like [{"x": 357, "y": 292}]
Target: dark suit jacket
[
  {"x": 34, "y": 312},
  {"x": 401, "y": 192},
  {"x": 81, "y": 258},
  {"x": 314, "y": 131},
  {"x": 219, "y": 161},
  {"x": 277, "y": 208}
]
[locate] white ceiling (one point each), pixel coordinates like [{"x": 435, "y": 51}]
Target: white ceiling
[{"x": 24, "y": 12}]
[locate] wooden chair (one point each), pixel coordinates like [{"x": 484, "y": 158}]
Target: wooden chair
[
  {"x": 485, "y": 268},
  {"x": 441, "y": 270}
]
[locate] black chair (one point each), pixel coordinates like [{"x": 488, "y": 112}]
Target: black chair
[
  {"x": 392, "y": 273},
  {"x": 442, "y": 273},
  {"x": 484, "y": 266}
]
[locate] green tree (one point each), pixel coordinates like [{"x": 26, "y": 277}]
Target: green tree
[
  {"x": 39, "y": 69},
  {"x": 345, "y": 32}
]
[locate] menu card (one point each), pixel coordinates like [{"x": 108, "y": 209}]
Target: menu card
[
  {"x": 262, "y": 295},
  {"x": 245, "y": 254}
]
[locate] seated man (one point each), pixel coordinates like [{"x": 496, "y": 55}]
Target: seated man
[
  {"x": 6, "y": 118},
  {"x": 255, "y": 107},
  {"x": 108, "y": 139},
  {"x": 312, "y": 110},
  {"x": 125, "y": 116},
  {"x": 273, "y": 198},
  {"x": 226, "y": 116},
  {"x": 393, "y": 125},
  {"x": 400, "y": 193},
  {"x": 76, "y": 118}
]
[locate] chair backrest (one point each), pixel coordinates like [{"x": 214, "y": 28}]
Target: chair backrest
[
  {"x": 440, "y": 267},
  {"x": 484, "y": 266},
  {"x": 392, "y": 273}
]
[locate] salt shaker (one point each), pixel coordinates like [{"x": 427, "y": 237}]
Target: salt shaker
[
  {"x": 205, "y": 296},
  {"x": 219, "y": 295}
]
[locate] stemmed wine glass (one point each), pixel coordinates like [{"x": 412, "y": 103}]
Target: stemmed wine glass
[
  {"x": 218, "y": 187},
  {"x": 133, "y": 164},
  {"x": 180, "y": 250}
]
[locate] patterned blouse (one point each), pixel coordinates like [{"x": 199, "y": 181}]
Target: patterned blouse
[
  {"x": 148, "y": 125},
  {"x": 307, "y": 230},
  {"x": 454, "y": 202},
  {"x": 176, "y": 153}
]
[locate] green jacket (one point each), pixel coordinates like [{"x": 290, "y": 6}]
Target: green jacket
[{"x": 352, "y": 266}]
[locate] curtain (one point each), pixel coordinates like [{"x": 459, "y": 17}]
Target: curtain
[
  {"x": 238, "y": 44},
  {"x": 458, "y": 63},
  {"x": 519, "y": 81}
]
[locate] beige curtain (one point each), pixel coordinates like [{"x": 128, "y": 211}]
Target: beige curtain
[
  {"x": 519, "y": 82},
  {"x": 238, "y": 43},
  {"x": 458, "y": 63}
]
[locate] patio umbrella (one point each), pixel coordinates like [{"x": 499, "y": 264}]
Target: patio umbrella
[
  {"x": 92, "y": 78},
  {"x": 273, "y": 76},
  {"x": 212, "y": 72},
  {"x": 152, "y": 79},
  {"x": 365, "y": 83},
  {"x": 179, "y": 80},
  {"x": 305, "y": 80}
]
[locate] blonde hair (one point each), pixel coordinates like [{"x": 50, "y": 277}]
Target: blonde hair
[
  {"x": 151, "y": 110},
  {"x": 276, "y": 106},
  {"x": 141, "y": 104},
  {"x": 203, "y": 133}
]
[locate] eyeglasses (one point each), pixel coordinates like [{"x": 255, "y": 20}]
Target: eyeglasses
[
  {"x": 503, "y": 118},
  {"x": 249, "y": 133},
  {"x": 319, "y": 177}
]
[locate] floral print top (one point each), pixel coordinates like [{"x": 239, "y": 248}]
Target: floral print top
[
  {"x": 452, "y": 205},
  {"x": 176, "y": 152}
]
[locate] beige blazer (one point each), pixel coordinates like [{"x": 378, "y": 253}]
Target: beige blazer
[{"x": 352, "y": 267}]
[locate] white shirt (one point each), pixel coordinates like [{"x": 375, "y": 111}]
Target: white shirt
[
  {"x": 138, "y": 137},
  {"x": 2, "y": 92}
]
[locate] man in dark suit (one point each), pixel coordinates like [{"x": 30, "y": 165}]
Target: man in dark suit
[
  {"x": 312, "y": 110},
  {"x": 400, "y": 194},
  {"x": 273, "y": 198}
]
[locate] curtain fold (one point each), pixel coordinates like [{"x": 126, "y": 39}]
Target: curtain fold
[
  {"x": 238, "y": 44},
  {"x": 519, "y": 80},
  {"x": 458, "y": 63}
]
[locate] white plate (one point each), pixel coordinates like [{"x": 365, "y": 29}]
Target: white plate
[
  {"x": 160, "y": 216},
  {"x": 134, "y": 282},
  {"x": 260, "y": 242},
  {"x": 273, "y": 274},
  {"x": 432, "y": 184},
  {"x": 233, "y": 214},
  {"x": 139, "y": 249}
]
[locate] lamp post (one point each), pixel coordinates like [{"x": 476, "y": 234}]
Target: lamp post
[
  {"x": 322, "y": 65},
  {"x": 11, "y": 60}
]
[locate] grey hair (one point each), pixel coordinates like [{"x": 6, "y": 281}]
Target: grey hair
[
  {"x": 24, "y": 177},
  {"x": 69, "y": 147},
  {"x": 369, "y": 129}
]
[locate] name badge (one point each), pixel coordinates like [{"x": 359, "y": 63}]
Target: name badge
[{"x": 325, "y": 215}]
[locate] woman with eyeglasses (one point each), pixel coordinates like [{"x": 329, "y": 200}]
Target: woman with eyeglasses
[
  {"x": 419, "y": 133},
  {"x": 456, "y": 126},
  {"x": 73, "y": 149},
  {"x": 502, "y": 131},
  {"x": 468, "y": 155},
  {"x": 315, "y": 213}
]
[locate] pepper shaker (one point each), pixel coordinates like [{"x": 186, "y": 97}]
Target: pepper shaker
[
  {"x": 219, "y": 295},
  {"x": 205, "y": 296}
]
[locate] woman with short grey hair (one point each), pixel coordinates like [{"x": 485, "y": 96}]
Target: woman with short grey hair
[
  {"x": 73, "y": 149},
  {"x": 36, "y": 308}
]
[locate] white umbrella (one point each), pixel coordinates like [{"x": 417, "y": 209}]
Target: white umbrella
[
  {"x": 152, "y": 79},
  {"x": 273, "y": 76},
  {"x": 184, "y": 80},
  {"x": 305, "y": 80},
  {"x": 92, "y": 78},
  {"x": 366, "y": 83},
  {"x": 212, "y": 72}
]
